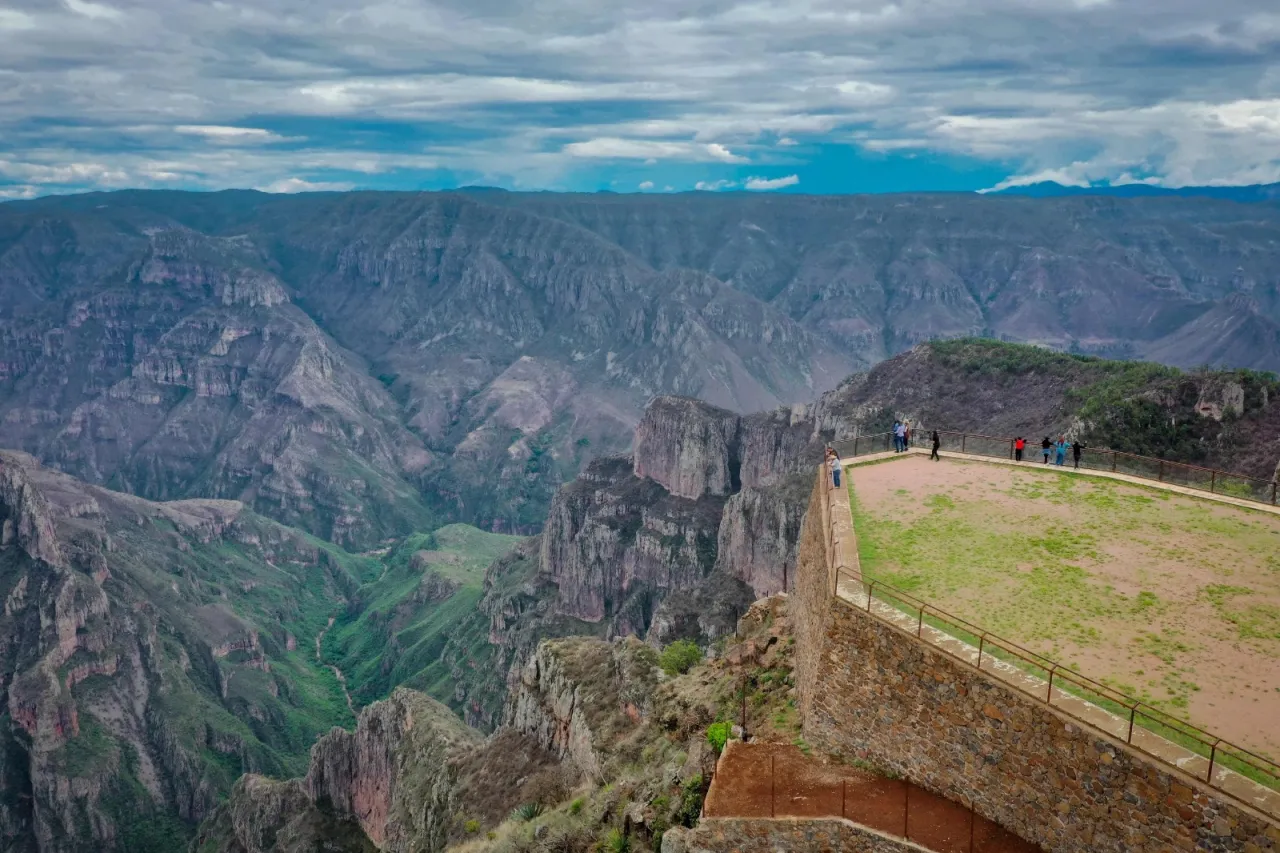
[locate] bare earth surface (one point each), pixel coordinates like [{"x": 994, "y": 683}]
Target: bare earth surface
[
  {"x": 776, "y": 780},
  {"x": 1168, "y": 598}
]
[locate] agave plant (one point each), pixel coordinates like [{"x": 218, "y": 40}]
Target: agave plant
[{"x": 527, "y": 812}]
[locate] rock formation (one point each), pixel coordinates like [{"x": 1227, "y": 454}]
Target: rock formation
[{"x": 387, "y": 786}]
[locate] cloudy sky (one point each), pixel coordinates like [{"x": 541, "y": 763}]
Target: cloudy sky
[{"x": 653, "y": 96}]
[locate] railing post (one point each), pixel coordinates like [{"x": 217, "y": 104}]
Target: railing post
[
  {"x": 871, "y": 588},
  {"x": 1213, "y": 480},
  {"x": 1273, "y": 492},
  {"x": 1162, "y": 470},
  {"x": 1133, "y": 712},
  {"x": 855, "y": 445},
  {"x": 1113, "y": 462},
  {"x": 1213, "y": 754},
  {"x": 981, "y": 642},
  {"x": 906, "y": 809},
  {"x": 963, "y": 438},
  {"x": 1049, "y": 696},
  {"x": 920, "y": 624},
  {"x": 1011, "y": 448}
]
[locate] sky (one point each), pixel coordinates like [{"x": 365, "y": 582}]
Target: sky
[{"x": 655, "y": 96}]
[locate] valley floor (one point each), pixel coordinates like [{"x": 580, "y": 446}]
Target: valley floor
[{"x": 1167, "y": 598}]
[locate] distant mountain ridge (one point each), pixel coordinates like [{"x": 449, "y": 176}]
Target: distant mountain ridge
[
  {"x": 1246, "y": 193},
  {"x": 362, "y": 365}
]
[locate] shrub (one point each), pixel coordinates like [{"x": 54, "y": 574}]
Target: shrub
[
  {"x": 471, "y": 827},
  {"x": 526, "y": 812},
  {"x": 718, "y": 735},
  {"x": 615, "y": 841},
  {"x": 679, "y": 657},
  {"x": 691, "y": 795},
  {"x": 576, "y": 806}
]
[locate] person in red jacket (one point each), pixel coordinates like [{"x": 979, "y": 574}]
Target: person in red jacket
[{"x": 1019, "y": 445}]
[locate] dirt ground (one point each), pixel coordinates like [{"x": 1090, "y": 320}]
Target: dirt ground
[
  {"x": 1168, "y": 598},
  {"x": 772, "y": 780}
]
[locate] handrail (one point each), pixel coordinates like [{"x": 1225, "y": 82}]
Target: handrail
[
  {"x": 1254, "y": 489},
  {"x": 1215, "y": 747}
]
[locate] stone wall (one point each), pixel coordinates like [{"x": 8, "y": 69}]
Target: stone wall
[
  {"x": 872, "y": 692},
  {"x": 797, "y": 835}
]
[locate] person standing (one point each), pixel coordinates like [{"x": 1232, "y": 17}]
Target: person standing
[
  {"x": 896, "y": 424},
  {"x": 906, "y": 434},
  {"x": 937, "y": 442},
  {"x": 1046, "y": 446},
  {"x": 1019, "y": 444},
  {"x": 1077, "y": 448},
  {"x": 833, "y": 459},
  {"x": 901, "y": 432},
  {"x": 1061, "y": 448}
]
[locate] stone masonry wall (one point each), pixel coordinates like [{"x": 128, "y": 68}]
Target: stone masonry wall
[
  {"x": 796, "y": 835},
  {"x": 872, "y": 692}
]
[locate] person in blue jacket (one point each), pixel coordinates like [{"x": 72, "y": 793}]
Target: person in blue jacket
[{"x": 1060, "y": 449}]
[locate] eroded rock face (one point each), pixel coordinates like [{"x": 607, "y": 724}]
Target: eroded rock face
[
  {"x": 574, "y": 695},
  {"x": 133, "y": 647},
  {"x": 688, "y": 447},
  {"x": 391, "y": 775},
  {"x": 613, "y": 541},
  {"x": 388, "y": 786}
]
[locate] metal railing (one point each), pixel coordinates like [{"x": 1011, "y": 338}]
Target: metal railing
[
  {"x": 1143, "y": 727},
  {"x": 1189, "y": 476}
]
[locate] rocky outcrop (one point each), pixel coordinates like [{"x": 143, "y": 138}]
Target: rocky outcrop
[
  {"x": 688, "y": 447},
  {"x": 391, "y": 775},
  {"x": 613, "y": 542},
  {"x": 576, "y": 694},
  {"x": 389, "y": 785},
  {"x": 758, "y": 533}
]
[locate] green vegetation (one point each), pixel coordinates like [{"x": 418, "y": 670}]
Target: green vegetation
[
  {"x": 718, "y": 735},
  {"x": 616, "y": 841},
  {"x": 679, "y": 657},
  {"x": 527, "y": 812},
  {"x": 1136, "y": 407},
  {"x": 1077, "y": 568},
  {"x": 417, "y": 611}
]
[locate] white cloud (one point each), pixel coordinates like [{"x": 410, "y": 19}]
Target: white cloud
[
  {"x": 615, "y": 148},
  {"x": 18, "y": 192},
  {"x": 772, "y": 183},
  {"x": 723, "y": 154},
  {"x": 646, "y": 185},
  {"x": 12, "y": 19},
  {"x": 227, "y": 134},
  {"x": 97, "y": 11},
  {"x": 298, "y": 185},
  {"x": 715, "y": 186},
  {"x": 787, "y": 142}
]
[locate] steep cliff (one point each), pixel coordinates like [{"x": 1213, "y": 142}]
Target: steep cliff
[{"x": 389, "y": 785}]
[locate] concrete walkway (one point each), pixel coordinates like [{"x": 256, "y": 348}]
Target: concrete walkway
[{"x": 849, "y": 587}]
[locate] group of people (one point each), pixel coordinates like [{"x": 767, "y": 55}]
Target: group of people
[
  {"x": 1057, "y": 449},
  {"x": 902, "y": 440}
]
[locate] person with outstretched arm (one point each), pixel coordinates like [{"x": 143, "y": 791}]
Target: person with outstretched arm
[
  {"x": 1077, "y": 448},
  {"x": 1046, "y": 446},
  {"x": 937, "y": 442},
  {"x": 1061, "y": 450},
  {"x": 1019, "y": 444}
]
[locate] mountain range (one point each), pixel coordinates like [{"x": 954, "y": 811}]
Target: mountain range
[{"x": 365, "y": 365}]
